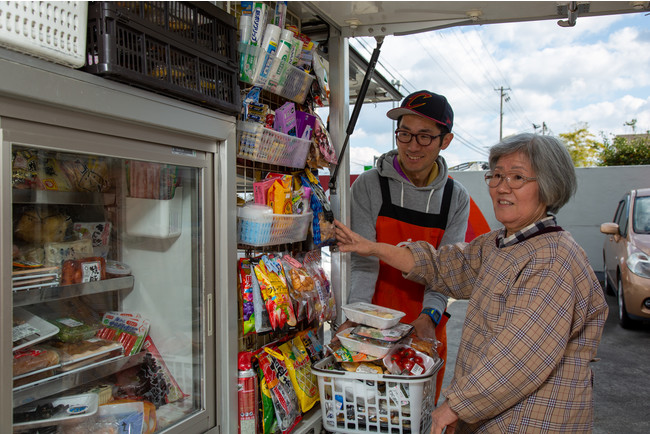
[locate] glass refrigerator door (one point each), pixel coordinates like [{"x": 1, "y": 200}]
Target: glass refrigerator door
[{"x": 108, "y": 281}]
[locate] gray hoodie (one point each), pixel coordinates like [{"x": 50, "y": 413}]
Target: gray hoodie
[{"x": 366, "y": 202}]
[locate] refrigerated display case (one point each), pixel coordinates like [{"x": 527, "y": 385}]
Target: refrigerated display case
[{"x": 109, "y": 218}]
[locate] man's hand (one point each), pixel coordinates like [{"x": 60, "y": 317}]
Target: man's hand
[
  {"x": 424, "y": 327},
  {"x": 443, "y": 416}
]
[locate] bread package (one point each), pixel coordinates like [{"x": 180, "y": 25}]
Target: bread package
[{"x": 33, "y": 359}]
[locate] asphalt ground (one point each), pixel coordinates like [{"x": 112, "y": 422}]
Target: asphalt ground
[{"x": 622, "y": 375}]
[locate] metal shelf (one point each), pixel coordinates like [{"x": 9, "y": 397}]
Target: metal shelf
[
  {"x": 60, "y": 197},
  {"x": 61, "y": 382},
  {"x": 53, "y": 293}
]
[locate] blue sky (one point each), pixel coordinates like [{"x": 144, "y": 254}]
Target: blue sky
[{"x": 596, "y": 73}]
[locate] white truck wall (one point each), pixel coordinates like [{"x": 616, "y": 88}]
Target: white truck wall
[{"x": 599, "y": 190}]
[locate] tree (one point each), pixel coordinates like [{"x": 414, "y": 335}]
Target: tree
[
  {"x": 624, "y": 152},
  {"x": 583, "y": 148}
]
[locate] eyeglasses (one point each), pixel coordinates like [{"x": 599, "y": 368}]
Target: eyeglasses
[
  {"x": 514, "y": 181},
  {"x": 422, "y": 139}
]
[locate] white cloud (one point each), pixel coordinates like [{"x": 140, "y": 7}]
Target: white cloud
[{"x": 595, "y": 73}]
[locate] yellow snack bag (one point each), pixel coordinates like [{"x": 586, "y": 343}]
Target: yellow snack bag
[
  {"x": 279, "y": 195},
  {"x": 299, "y": 366}
]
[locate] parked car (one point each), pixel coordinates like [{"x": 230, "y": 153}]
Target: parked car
[{"x": 626, "y": 257}]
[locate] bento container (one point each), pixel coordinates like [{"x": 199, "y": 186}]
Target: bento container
[
  {"x": 353, "y": 402},
  {"x": 73, "y": 409},
  {"x": 363, "y": 345},
  {"x": 372, "y": 315}
]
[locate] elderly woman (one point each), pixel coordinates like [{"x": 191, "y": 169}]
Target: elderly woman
[{"x": 536, "y": 310}]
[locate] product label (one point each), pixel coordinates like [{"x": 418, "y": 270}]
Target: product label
[
  {"x": 91, "y": 271},
  {"x": 22, "y": 331},
  {"x": 70, "y": 322}
]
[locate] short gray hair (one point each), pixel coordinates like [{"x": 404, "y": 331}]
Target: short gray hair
[{"x": 551, "y": 162}]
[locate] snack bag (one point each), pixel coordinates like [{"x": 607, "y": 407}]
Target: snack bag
[
  {"x": 274, "y": 290},
  {"x": 246, "y": 296},
  {"x": 269, "y": 422},
  {"x": 279, "y": 195},
  {"x": 285, "y": 401},
  {"x": 322, "y": 226},
  {"x": 312, "y": 345},
  {"x": 262, "y": 319},
  {"x": 298, "y": 364},
  {"x": 322, "y": 283},
  {"x": 301, "y": 287}
]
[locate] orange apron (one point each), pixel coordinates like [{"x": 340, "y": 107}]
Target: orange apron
[{"x": 396, "y": 225}]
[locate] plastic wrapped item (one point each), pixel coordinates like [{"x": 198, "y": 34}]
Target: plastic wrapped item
[
  {"x": 116, "y": 269},
  {"x": 74, "y": 328},
  {"x": 61, "y": 411},
  {"x": 31, "y": 360},
  {"x": 405, "y": 360},
  {"x": 363, "y": 345},
  {"x": 126, "y": 328},
  {"x": 372, "y": 315},
  {"x": 84, "y": 270}
]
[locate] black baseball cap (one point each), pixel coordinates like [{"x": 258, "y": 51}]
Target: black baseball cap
[{"x": 427, "y": 104}]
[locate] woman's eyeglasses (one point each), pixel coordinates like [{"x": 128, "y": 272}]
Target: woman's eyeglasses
[
  {"x": 422, "y": 139},
  {"x": 514, "y": 181}
]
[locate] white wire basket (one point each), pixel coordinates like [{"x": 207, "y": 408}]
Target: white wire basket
[
  {"x": 274, "y": 229},
  {"x": 354, "y": 402},
  {"x": 51, "y": 30},
  {"x": 265, "y": 145}
]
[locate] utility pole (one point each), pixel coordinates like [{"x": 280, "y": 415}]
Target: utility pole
[
  {"x": 505, "y": 96},
  {"x": 398, "y": 84}
]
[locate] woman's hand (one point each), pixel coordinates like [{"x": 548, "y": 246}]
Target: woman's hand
[
  {"x": 349, "y": 241},
  {"x": 443, "y": 416}
]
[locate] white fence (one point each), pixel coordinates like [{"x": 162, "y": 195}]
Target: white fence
[{"x": 599, "y": 190}]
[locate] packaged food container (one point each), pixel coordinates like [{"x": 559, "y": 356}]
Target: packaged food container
[
  {"x": 420, "y": 368},
  {"x": 372, "y": 315},
  {"x": 363, "y": 345},
  {"x": 117, "y": 269}
]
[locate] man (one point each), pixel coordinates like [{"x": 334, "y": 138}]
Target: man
[{"x": 408, "y": 196}]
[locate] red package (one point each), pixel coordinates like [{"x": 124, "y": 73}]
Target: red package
[{"x": 83, "y": 270}]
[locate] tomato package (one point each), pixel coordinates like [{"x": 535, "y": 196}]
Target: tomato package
[{"x": 404, "y": 360}]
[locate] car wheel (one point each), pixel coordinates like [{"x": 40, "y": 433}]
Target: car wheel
[
  {"x": 607, "y": 287},
  {"x": 623, "y": 317}
]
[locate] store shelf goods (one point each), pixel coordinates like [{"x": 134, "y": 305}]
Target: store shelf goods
[
  {"x": 183, "y": 49},
  {"x": 265, "y": 145}
]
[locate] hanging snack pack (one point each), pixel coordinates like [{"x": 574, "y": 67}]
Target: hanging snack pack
[
  {"x": 284, "y": 397},
  {"x": 274, "y": 290},
  {"x": 323, "y": 223},
  {"x": 301, "y": 287},
  {"x": 298, "y": 364},
  {"x": 246, "y": 291},
  {"x": 262, "y": 319}
]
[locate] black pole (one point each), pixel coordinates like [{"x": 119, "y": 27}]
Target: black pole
[{"x": 357, "y": 108}]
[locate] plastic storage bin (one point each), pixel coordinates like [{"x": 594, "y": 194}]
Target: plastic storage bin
[
  {"x": 183, "y": 49},
  {"x": 353, "y": 402},
  {"x": 54, "y": 31},
  {"x": 155, "y": 218},
  {"x": 273, "y": 228},
  {"x": 265, "y": 145},
  {"x": 283, "y": 78}
]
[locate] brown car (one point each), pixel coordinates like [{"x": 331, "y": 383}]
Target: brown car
[{"x": 626, "y": 256}]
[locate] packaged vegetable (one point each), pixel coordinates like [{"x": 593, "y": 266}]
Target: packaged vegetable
[{"x": 72, "y": 328}]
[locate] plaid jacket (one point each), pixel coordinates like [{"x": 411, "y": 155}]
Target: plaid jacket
[{"x": 534, "y": 320}]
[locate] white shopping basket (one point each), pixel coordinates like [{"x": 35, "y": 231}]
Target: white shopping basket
[{"x": 354, "y": 402}]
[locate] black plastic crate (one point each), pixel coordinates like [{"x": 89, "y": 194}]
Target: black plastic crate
[{"x": 183, "y": 49}]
